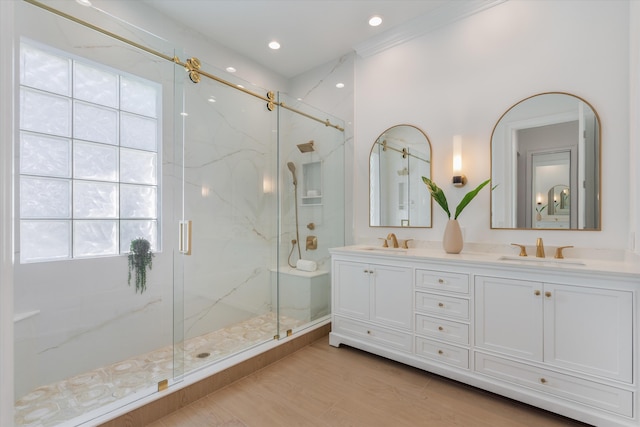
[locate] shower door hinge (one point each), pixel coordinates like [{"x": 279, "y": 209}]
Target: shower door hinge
[
  {"x": 276, "y": 337},
  {"x": 184, "y": 236},
  {"x": 289, "y": 332},
  {"x": 163, "y": 385}
]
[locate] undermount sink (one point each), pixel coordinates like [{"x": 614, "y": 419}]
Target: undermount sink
[
  {"x": 382, "y": 249},
  {"x": 541, "y": 261}
]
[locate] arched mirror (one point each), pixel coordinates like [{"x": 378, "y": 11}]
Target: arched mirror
[
  {"x": 399, "y": 158},
  {"x": 545, "y": 164}
]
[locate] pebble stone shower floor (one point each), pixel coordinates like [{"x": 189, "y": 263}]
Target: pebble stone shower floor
[{"x": 61, "y": 402}]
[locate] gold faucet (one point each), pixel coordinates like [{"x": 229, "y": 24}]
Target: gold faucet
[
  {"x": 523, "y": 249},
  {"x": 559, "y": 254},
  {"x": 393, "y": 239},
  {"x": 539, "y": 248}
]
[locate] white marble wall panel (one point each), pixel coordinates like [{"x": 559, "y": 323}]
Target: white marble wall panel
[{"x": 327, "y": 211}]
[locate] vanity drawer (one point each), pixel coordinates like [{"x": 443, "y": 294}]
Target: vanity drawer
[
  {"x": 442, "y": 281},
  {"x": 374, "y": 334},
  {"x": 442, "y": 329},
  {"x": 441, "y": 352},
  {"x": 566, "y": 386},
  {"x": 442, "y": 305}
]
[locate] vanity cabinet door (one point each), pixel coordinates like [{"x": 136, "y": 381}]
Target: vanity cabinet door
[
  {"x": 351, "y": 289},
  {"x": 391, "y": 302},
  {"x": 379, "y": 293},
  {"x": 508, "y": 316},
  {"x": 589, "y": 330}
]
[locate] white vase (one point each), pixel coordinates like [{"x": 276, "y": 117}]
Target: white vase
[{"x": 452, "y": 239}]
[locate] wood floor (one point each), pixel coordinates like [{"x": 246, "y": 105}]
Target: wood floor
[{"x": 320, "y": 385}]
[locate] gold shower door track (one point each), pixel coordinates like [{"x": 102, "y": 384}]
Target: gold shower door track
[{"x": 192, "y": 65}]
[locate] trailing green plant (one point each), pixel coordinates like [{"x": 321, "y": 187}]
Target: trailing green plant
[
  {"x": 441, "y": 199},
  {"x": 140, "y": 258}
]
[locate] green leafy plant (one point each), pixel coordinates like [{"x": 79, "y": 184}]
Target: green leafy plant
[
  {"x": 540, "y": 209},
  {"x": 140, "y": 258},
  {"x": 441, "y": 199}
]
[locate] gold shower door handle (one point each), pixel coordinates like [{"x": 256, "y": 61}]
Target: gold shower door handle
[{"x": 184, "y": 238}]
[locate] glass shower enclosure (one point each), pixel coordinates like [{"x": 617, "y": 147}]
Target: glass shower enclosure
[{"x": 215, "y": 197}]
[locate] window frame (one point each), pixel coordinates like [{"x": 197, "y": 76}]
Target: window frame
[{"x": 72, "y": 220}]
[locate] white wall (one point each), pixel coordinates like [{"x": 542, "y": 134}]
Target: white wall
[
  {"x": 461, "y": 78},
  {"x": 634, "y": 117}
]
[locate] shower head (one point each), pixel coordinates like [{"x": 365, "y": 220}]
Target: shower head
[
  {"x": 292, "y": 168},
  {"x": 307, "y": 147}
]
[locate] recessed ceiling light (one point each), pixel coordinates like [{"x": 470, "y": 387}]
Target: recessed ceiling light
[
  {"x": 274, "y": 45},
  {"x": 340, "y": 85},
  {"x": 231, "y": 70},
  {"x": 374, "y": 21}
]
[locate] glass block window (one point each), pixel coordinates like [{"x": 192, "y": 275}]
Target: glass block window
[{"x": 89, "y": 147}]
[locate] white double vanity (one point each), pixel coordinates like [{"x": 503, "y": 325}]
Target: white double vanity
[{"x": 558, "y": 334}]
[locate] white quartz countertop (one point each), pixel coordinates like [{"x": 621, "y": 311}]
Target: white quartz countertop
[{"x": 628, "y": 266}]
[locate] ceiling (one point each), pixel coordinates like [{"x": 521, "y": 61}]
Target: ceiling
[{"x": 311, "y": 32}]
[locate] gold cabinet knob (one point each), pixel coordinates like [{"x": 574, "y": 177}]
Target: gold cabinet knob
[
  {"x": 440, "y": 352},
  {"x": 440, "y": 328},
  {"x": 369, "y": 332},
  {"x": 543, "y": 381},
  {"x": 440, "y": 304},
  {"x": 536, "y": 293},
  {"x": 441, "y": 281},
  {"x": 547, "y": 294}
]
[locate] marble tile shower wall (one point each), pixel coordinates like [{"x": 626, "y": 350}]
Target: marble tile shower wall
[{"x": 326, "y": 213}]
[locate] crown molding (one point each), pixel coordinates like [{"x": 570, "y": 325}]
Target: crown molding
[{"x": 446, "y": 14}]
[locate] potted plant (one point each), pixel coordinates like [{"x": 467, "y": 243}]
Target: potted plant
[
  {"x": 452, "y": 240},
  {"x": 140, "y": 258}
]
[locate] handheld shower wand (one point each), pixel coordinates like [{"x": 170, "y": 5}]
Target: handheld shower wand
[{"x": 292, "y": 168}]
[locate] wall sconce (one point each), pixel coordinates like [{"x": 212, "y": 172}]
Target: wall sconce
[{"x": 459, "y": 180}]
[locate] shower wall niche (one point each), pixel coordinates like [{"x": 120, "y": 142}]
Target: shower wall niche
[{"x": 312, "y": 183}]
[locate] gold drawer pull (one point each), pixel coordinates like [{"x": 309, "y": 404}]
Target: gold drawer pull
[
  {"x": 440, "y": 304},
  {"x": 536, "y": 293},
  {"x": 543, "y": 381},
  {"x": 440, "y": 352},
  {"x": 440, "y": 328},
  {"x": 547, "y": 294}
]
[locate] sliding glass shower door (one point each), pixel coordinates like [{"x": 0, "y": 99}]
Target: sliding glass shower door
[{"x": 228, "y": 224}]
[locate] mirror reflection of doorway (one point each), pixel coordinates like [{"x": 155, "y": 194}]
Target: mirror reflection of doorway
[
  {"x": 552, "y": 200},
  {"x": 548, "y": 155}
]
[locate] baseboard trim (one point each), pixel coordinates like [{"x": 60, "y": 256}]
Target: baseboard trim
[{"x": 180, "y": 398}]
